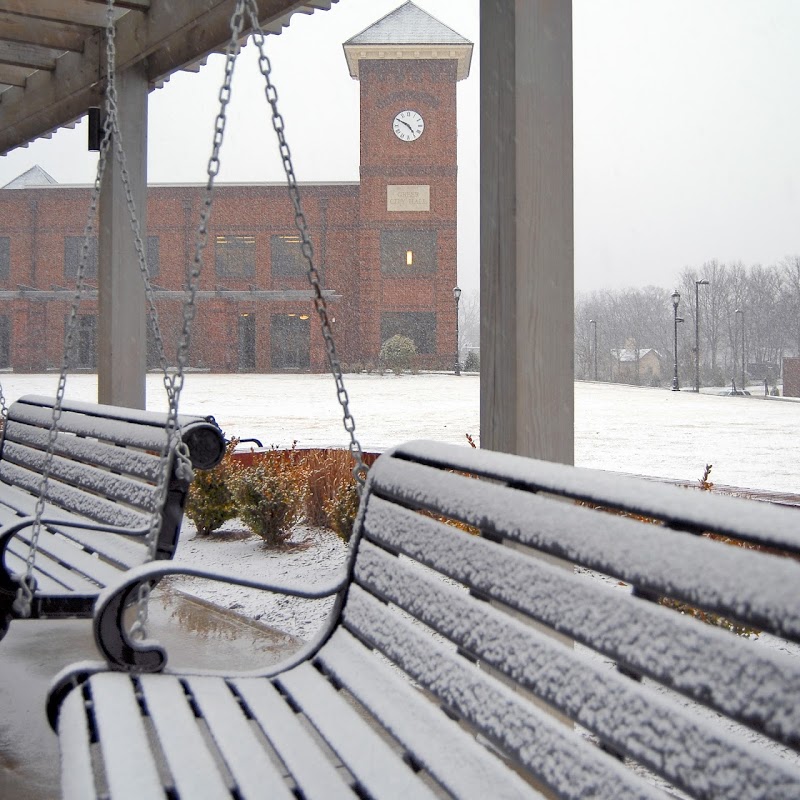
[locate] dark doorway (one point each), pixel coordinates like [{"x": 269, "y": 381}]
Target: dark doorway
[
  {"x": 290, "y": 336},
  {"x": 5, "y": 342},
  {"x": 83, "y": 352},
  {"x": 247, "y": 343}
]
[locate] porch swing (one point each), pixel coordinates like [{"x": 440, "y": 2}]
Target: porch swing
[{"x": 89, "y": 490}]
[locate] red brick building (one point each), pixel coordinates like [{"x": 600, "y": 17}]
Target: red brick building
[{"x": 386, "y": 247}]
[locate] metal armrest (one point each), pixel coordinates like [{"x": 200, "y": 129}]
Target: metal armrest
[{"x": 129, "y": 655}]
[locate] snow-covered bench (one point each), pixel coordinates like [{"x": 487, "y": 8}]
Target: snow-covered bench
[
  {"x": 491, "y": 638},
  {"x": 104, "y": 477}
]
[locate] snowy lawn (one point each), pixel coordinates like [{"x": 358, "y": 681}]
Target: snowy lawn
[{"x": 752, "y": 442}]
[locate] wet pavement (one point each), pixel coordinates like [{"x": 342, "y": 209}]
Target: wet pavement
[{"x": 196, "y": 634}]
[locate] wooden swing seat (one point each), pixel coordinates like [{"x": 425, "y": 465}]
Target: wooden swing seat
[
  {"x": 104, "y": 474},
  {"x": 495, "y": 634}
]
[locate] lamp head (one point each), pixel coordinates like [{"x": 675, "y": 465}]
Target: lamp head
[
  {"x": 703, "y": 282},
  {"x": 456, "y": 294},
  {"x": 676, "y": 298}
]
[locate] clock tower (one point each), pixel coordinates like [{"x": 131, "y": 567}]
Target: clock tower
[{"x": 408, "y": 64}]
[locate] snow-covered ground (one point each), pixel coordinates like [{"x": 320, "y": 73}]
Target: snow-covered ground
[{"x": 751, "y": 442}]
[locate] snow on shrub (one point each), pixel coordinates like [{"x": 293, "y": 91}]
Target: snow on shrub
[{"x": 210, "y": 502}]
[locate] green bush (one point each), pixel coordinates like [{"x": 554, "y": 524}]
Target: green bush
[
  {"x": 271, "y": 496},
  {"x": 342, "y": 508},
  {"x": 472, "y": 363},
  {"x": 398, "y": 353},
  {"x": 210, "y": 502}
]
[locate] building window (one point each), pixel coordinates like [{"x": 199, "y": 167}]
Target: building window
[
  {"x": 408, "y": 252},
  {"x": 73, "y": 246},
  {"x": 287, "y": 255},
  {"x": 419, "y": 326},
  {"x": 5, "y": 342},
  {"x": 83, "y": 353},
  {"x": 235, "y": 256},
  {"x": 5, "y": 257},
  {"x": 153, "y": 257}
]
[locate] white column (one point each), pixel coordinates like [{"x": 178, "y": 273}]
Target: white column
[
  {"x": 527, "y": 384},
  {"x": 121, "y": 328}
]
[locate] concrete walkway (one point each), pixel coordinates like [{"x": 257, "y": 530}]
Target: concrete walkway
[{"x": 33, "y": 652}]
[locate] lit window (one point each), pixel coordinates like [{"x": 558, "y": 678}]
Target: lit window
[{"x": 235, "y": 256}]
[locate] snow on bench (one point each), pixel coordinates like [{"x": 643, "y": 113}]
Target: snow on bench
[
  {"x": 104, "y": 480},
  {"x": 496, "y": 634}
]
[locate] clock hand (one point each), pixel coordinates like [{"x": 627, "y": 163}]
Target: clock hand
[{"x": 403, "y": 122}]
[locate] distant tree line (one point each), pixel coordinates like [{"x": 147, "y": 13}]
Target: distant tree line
[{"x": 627, "y": 323}]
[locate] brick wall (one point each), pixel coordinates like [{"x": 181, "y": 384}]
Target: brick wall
[
  {"x": 346, "y": 221},
  {"x": 791, "y": 377}
]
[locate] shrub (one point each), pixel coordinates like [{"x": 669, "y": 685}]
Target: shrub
[
  {"x": 472, "y": 363},
  {"x": 271, "y": 497},
  {"x": 210, "y": 502},
  {"x": 327, "y": 470},
  {"x": 342, "y": 508},
  {"x": 398, "y": 353}
]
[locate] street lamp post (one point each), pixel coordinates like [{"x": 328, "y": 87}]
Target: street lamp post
[
  {"x": 676, "y": 299},
  {"x": 593, "y": 323},
  {"x": 697, "y": 285},
  {"x": 457, "y": 297},
  {"x": 740, "y": 312}
]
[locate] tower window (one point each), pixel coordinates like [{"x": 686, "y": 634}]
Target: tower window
[{"x": 408, "y": 252}]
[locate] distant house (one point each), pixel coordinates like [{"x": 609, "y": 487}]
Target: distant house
[{"x": 645, "y": 370}]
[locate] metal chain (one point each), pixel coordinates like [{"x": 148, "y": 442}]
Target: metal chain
[
  {"x": 174, "y": 383},
  {"x": 360, "y": 469}
]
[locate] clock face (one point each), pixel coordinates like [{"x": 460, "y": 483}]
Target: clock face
[{"x": 408, "y": 125}]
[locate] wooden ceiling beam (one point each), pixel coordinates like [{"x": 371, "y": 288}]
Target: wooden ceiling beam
[
  {"x": 134, "y": 5},
  {"x": 75, "y": 12},
  {"x": 13, "y": 76},
  {"x": 58, "y": 35},
  {"x": 25, "y": 55}
]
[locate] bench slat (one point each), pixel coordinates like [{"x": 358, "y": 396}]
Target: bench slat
[
  {"x": 191, "y": 764},
  {"x": 130, "y": 766},
  {"x": 77, "y": 776},
  {"x": 113, "y": 429},
  {"x": 623, "y": 713},
  {"x": 124, "y": 460},
  {"x": 369, "y": 758},
  {"x": 556, "y": 756},
  {"x": 74, "y": 500},
  {"x": 44, "y": 582},
  {"x": 118, "y": 488},
  {"x": 756, "y": 588},
  {"x": 698, "y": 660},
  {"x": 764, "y": 523},
  {"x": 317, "y": 778},
  {"x": 66, "y": 561},
  {"x": 255, "y": 775},
  {"x": 448, "y": 752}
]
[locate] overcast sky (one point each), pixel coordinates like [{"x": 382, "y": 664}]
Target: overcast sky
[{"x": 687, "y": 129}]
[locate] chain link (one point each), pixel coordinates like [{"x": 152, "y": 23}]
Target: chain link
[{"x": 321, "y": 307}]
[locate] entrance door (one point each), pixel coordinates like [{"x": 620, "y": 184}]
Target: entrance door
[
  {"x": 247, "y": 342},
  {"x": 290, "y": 336}
]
